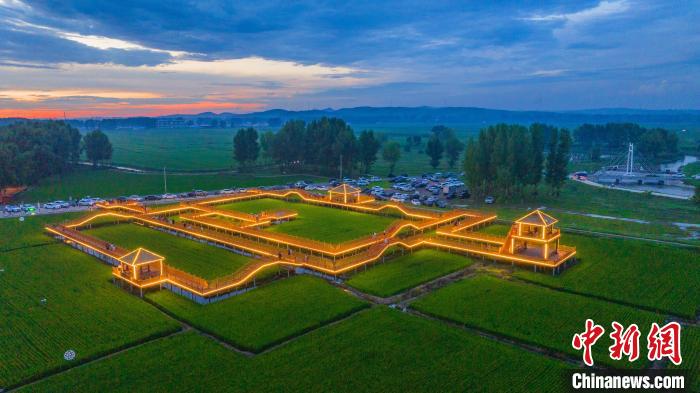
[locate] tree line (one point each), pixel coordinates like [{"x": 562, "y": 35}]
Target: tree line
[
  {"x": 507, "y": 159},
  {"x": 652, "y": 143},
  {"x": 321, "y": 146},
  {"x": 32, "y": 150}
]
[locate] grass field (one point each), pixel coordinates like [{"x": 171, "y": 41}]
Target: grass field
[
  {"x": 533, "y": 314},
  {"x": 316, "y": 222},
  {"x": 107, "y": 183},
  {"x": 690, "y": 349},
  {"x": 84, "y": 311},
  {"x": 268, "y": 315},
  {"x": 582, "y": 198},
  {"x": 407, "y": 271},
  {"x": 379, "y": 349},
  {"x": 662, "y": 278},
  {"x": 208, "y": 149},
  {"x": 197, "y": 258},
  {"x": 30, "y": 232}
]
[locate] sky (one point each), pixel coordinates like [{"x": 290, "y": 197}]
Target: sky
[{"x": 90, "y": 58}]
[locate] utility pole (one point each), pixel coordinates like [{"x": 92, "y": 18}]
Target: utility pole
[{"x": 165, "y": 182}]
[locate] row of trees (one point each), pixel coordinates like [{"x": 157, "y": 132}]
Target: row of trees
[
  {"x": 654, "y": 143},
  {"x": 507, "y": 159},
  {"x": 321, "y": 146},
  {"x": 33, "y": 150}
]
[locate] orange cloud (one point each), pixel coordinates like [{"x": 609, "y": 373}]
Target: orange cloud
[{"x": 126, "y": 109}]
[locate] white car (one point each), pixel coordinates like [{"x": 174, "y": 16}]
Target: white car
[
  {"x": 415, "y": 202},
  {"x": 169, "y": 196},
  {"x": 62, "y": 204},
  {"x": 134, "y": 198},
  {"x": 322, "y": 188},
  {"x": 310, "y": 187},
  {"x": 226, "y": 191},
  {"x": 86, "y": 202},
  {"x": 489, "y": 200},
  {"x": 51, "y": 205}
]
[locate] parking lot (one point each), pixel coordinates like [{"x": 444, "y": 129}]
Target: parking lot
[{"x": 430, "y": 189}]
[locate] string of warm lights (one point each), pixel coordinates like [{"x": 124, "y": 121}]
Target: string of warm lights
[{"x": 455, "y": 224}]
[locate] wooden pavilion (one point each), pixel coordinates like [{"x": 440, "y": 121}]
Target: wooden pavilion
[
  {"x": 140, "y": 265},
  {"x": 535, "y": 235},
  {"x": 344, "y": 193}
]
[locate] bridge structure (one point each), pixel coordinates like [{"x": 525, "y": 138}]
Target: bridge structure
[{"x": 532, "y": 241}]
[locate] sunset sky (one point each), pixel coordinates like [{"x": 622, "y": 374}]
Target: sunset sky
[{"x": 131, "y": 58}]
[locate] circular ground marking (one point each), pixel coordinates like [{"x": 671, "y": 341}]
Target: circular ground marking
[{"x": 69, "y": 355}]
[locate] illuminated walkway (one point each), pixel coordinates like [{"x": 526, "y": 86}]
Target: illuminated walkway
[{"x": 451, "y": 230}]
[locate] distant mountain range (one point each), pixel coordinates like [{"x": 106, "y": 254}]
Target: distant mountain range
[{"x": 396, "y": 116}]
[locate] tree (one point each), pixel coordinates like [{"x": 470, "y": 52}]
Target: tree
[
  {"x": 442, "y": 132},
  {"x": 391, "y": 153},
  {"x": 434, "y": 150},
  {"x": 245, "y": 146},
  {"x": 288, "y": 148},
  {"x": 536, "y": 155},
  {"x": 558, "y": 159},
  {"x": 267, "y": 142},
  {"x": 453, "y": 148},
  {"x": 368, "y": 149},
  {"x": 471, "y": 166},
  {"x": 550, "y": 170},
  {"x": 696, "y": 195},
  {"x": 97, "y": 147},
  {"x": 595, "y": 153}
]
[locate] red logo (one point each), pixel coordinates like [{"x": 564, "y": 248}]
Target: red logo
[
  {"x": 665, "y": 342},
  {"x": 625, "y": 342},
  {"x": 586, "y": 340}
]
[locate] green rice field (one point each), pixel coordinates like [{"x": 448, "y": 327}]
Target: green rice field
[
  {"x": 267, "y": 315},
  {"x": 320, "y": 223},
  {"x": 196, "y": 258},
  {"x": 659, "y": 277},
  {"x": 83, "y": 311},
  {"x": 407, "y": 271},
  {"x": 375, "y": 349},
  {"x": 532, "y": 314}
]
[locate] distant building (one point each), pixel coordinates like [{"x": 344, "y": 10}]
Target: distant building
[{"x": 170, "y": 122}]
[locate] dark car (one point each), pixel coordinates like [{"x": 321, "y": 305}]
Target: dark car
[
  {"x": 464, "y": 194},
  {"x": 121, "y": 199},
  {"x": 151, "y": 198}
]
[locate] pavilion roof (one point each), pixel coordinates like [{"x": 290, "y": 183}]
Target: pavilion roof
[
  {"x": 537, "y": 217},
  {"x": 345, "y": 189},
  {"x": 140, "y": 256}
]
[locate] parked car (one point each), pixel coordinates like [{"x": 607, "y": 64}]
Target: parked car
[
  {"x": 489, "y": 200},
  {"x": 151, "y": 198},
  {"x": 12, "y": 209},
  {"x": 226, "y": 191},
  {"x": 301, "y": 184},
  {"x": 86, "y": 202},
  {"x": 134, "y": 198},
  {"x": 441, "y": 204},
  {"x": 464, "y": 194},
  {"x": 200, "y": 193},
  {"x": 51, "y": 206},
  {"x": 28, "y": 208},
  {"x": 169, "y": 196},
  {"x": 415, "y": 202},
  {"x": 375, "y": 178},
  {"x": 310, "y": 187},
  {"x": 62, "y": 204}
]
